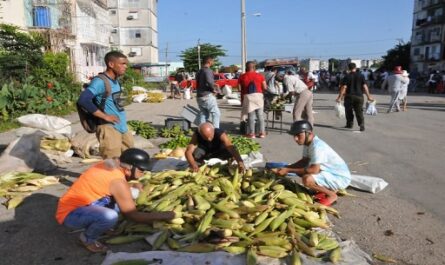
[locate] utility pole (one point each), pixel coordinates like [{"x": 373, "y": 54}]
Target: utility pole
[
  {"x": 243, "y": 36},
  {"x": 166, "y": 62},
  {"x": 199, "y": 56}
]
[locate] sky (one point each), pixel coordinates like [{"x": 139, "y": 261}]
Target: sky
[{"x": 320, "y": 29}]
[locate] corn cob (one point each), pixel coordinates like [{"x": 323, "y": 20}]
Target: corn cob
[
  {"x": 205, "y": 222},
  {"x": 262, "y": 226},
  {"x": 327, "y": 244},
  {"x": 124, "y": 239},
  {"x": 313, "y": 239},
  {"x": 272, "y": 251},
  {"x": 161, "y": 239},
  {"x": 173, "y": 244},
  {"x": 281, "y": 218},
  {"x": 335, "y": 255},
  {"x": 198, "y": 248},
  {"x": 295, "y": 258},
  {"x": 251, "y": 257},
  {"x": 260, "y": 218},
  {"x": 201, "y": 203},
  {"x": 235, "y": 250}
]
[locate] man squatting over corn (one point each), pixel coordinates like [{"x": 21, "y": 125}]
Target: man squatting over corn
[
  {"x": 90, "y": 203},
  {"x": 321, "y": 168}
]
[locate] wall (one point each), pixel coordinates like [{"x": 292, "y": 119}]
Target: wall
[{"x": 13, "y": 12}]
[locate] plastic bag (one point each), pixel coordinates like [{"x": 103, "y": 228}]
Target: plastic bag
[
  {"x": 339, "y": 110},
  {"x": 370, "y": 108},
  {"x": 367, "y": 183}
]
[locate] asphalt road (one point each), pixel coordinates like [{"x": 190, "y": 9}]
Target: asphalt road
[{"x": 405, "y": 221}]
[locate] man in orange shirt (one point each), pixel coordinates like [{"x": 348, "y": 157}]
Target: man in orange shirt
[{"x": 94, "y": 201}]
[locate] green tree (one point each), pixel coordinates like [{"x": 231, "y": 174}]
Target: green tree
[
  {"x": 19, "y": 52},
  {"x": 399, "y": 55},
  {"x": 190, "y": 56},
  {"x": 333, "y": 65}
]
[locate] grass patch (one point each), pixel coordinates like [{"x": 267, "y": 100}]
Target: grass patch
[{"x": 8, "y": 125}]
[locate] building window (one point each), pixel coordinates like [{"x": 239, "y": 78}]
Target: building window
[
  {"x": 136, "y": 51},
  {"x": 112, "y": 12},
  {"x": 133, "y": 15},
  {"x": 416, "y": 51},
  {"x": 135, "y": 34},
  {"x": 134, "y": 3}
]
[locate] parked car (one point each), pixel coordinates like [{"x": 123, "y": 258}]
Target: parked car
[{"x": 220, "y": 80}]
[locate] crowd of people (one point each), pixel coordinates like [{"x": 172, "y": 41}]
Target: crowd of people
[{"x": 94, "y": 202}]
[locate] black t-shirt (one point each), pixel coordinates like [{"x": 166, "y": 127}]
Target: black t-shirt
[
  {"x": 354, "y": 83},
  {"x": 212, "y": 146}
]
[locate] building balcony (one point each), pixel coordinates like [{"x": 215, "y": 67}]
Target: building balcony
[{"x": 430, "y": 21}]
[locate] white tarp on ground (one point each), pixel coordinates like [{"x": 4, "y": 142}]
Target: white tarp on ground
[{"x": 351, "y": 255}]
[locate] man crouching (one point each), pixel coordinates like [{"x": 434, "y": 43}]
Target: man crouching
[{"x": 321, "y": 168}]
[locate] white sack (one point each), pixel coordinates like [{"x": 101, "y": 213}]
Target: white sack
[
  {"x": 44, "y": 122},
  {"x": 367, "y": 183}
]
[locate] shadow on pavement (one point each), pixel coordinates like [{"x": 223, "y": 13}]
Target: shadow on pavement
[{"x": 31, "y": 235}]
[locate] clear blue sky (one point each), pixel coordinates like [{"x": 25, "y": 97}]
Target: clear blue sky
[{"x": 286, "y": 28}]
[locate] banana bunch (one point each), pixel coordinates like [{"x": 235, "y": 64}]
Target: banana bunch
[
  {"x": 143, "y": 129},
  {"x": 172, "y": 132},
  {"x": 218, "y": 208}
]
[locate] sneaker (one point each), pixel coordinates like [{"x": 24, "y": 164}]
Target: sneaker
[
  {"x": 250, "y": 135},
  {"x": 362, "y": 128},
  {"x": 95, "y": 246},
  {"x": 262, "y": 135}
]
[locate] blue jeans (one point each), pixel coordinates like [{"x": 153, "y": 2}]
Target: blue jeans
[
  {"x": 97, "y": 218},
  {"x": 258, "y": 113},
  {"x": 209, "y": 110}
]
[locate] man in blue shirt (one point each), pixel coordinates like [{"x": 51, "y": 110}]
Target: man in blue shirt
[
  {"x": 112, "y": 133},
  {"x": 321, "y": 168}
]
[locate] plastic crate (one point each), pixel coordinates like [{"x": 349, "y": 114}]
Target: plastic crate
[{"x": 183, "y": 123}]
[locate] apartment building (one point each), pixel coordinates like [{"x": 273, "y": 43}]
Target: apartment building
[
  {"x": 12, "y": 12},
  {"x": 427, "y": 40},
  {"x": 135, "y": 30},
  {"x": 91, "y": 27}
]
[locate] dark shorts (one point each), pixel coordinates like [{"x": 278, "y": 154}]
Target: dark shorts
[{"x": 200, "y": 154}]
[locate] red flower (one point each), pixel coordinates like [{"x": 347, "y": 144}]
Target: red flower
[
  {"x": 50, "y": 85},
  {"x": 49, "y": 99}
]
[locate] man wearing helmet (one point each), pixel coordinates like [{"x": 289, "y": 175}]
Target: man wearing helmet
[
  {"x": 94, "y": 201},
  {"x": 321, "y": 168}
]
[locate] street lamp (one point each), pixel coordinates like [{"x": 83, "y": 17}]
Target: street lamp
[
  {"x": 243, "y": 35},
  {"x": 199, "y": 56}
]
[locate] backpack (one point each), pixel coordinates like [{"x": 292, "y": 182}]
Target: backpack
[
  {"x": 88, "y": 120},
  {"x": 251, "y": 88}
]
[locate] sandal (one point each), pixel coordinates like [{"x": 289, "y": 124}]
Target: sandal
[
  {"x": 95, "y": 247},
  {"x": 320, "y": 196},
  {"x": 326, "y": 202}
]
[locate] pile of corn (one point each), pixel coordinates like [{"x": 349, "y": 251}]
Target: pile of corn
[
  {"x": 16, "y": 186},
  {"x": 155, "y": 97},
  {"x": 219, "y": 209}
]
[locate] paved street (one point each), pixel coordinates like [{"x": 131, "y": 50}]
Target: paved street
[{"x": 406, "y": 149}]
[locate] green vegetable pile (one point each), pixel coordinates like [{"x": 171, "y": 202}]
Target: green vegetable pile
[
  {"x": 174, "y": 131},
  {"x": 143, "y": 129},
  {"x": 179, "y": 141},
  {"x": 244, "y": 145}
]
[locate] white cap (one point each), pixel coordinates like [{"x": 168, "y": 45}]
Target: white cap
[{"x": 405, "y": 73}]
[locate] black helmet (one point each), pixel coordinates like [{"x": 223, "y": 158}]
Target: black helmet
[
  {"x": 299, "y": 127},
  {"x": 136, "y": 157}
]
